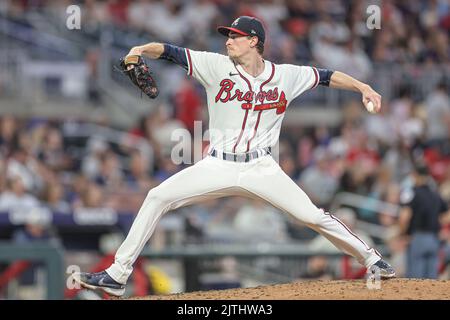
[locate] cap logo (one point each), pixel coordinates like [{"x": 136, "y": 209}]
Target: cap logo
[
  {"x": 235, "y": 22},
  {"x": 253, "y": 31}
]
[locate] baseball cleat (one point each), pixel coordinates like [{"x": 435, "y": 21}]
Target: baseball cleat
[
  {"x": 100, "y": 280},
  {"x": 385, "y": 269}
]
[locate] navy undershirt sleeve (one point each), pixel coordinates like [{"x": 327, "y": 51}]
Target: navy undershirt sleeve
[
  {"x": 324, "y": 76},
  {"x": 175, "y": 54}
]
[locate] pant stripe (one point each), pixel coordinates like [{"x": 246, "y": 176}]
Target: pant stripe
[{"x": 351, "y": 232}]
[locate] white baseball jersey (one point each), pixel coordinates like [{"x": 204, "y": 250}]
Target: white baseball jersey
[
  {"x": 246, "y": 112},
  {"x": 245, "y": 115}
]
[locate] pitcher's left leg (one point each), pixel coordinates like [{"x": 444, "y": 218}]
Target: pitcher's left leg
[{"x": 266, "y": 179}]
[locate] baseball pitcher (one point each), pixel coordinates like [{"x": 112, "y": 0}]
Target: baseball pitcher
[{"x": 247, "y": 100}]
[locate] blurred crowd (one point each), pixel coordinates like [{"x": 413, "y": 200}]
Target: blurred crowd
[
  {"x": 297, "y": 30},
  {"x": 368, "y": 155}
]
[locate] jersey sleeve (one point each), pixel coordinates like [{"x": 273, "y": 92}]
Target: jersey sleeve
[
  {"x": 203, "y": 66},
  {"x": 303, "y": 78},
  {"x": 175, "y": 54}
]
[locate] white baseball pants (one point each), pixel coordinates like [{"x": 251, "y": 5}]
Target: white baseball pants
[{"x": 209, "y": 178}]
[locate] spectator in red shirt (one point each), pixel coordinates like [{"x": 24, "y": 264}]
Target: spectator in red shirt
[{"x": 187, "y": 105}]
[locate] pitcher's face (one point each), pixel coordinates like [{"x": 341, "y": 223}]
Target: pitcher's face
[{"x": 238, "y": 45}]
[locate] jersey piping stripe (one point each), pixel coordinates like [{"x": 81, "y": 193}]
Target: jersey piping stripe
[
  {"x": 188, "y": 54},
  {"x": 243, "y": 77},
  {"x": 270, "y": 78},
  {"x": 254, "y": 132},
  {"x": 259, "y": 114},
  {"x": 242, "y": 131},
  {"x": 246, "y": 112},
  {"x": 350, "y": 231},
  {"x": 316, "y": 78}
]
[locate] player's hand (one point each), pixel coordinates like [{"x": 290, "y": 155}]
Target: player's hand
[
  {"x": 135, "y": 51},
  {"x": 368, "y": 94}
]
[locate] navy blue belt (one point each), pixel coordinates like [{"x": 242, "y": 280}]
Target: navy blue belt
[{"x": 241, "y": 157}]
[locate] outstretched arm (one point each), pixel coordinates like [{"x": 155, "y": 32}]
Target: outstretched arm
[
  {"x": 341, "y": 80},
  {"x": 151, "y": 50},
  {"x": 164, "y": 51}
]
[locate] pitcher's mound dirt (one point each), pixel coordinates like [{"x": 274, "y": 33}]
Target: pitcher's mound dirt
[{"x": 394, "y": 289}]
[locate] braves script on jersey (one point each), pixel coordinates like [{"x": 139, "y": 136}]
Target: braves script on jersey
[{"x": 246, "y": 112}]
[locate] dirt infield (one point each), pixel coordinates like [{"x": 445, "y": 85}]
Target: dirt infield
[{"x": 395, "y": 289}]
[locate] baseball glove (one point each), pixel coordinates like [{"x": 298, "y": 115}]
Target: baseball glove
[{"x": 139, "y": 74}]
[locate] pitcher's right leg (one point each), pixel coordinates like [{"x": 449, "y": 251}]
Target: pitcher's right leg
[{"x": 207, "y": 179}]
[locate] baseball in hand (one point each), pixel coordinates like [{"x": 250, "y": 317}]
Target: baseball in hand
[{"x": 370, "y": 107}]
